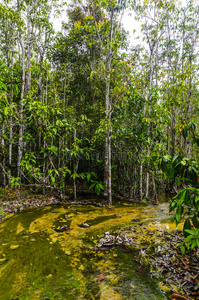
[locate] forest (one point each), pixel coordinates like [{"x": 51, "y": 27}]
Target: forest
[
  {"x": 85, "y": 110},
  {"x": 83, "y": 107}
]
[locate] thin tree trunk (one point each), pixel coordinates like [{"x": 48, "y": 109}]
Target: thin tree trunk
[
  {"x": 44, "y": 169},
  {"x": 107, "y": 169},
  {"x": 147, "y": 186},
  {"x": 75, "y": 171},
  {"x": 154, "y": 187},
  {"x": 109, "y": 164},
  {"x": 141, "y": 171},
  {"x": 20, "y": 142},
  {"x": 29, "y": 50},
  {"x": 3, "y": 155},
  {"x": 10, "y": 148},
  {"x": 173, "y": 131},
  {"x": 11, "y": 122}
]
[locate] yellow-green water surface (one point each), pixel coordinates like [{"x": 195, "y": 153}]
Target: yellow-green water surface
[{"x": 36, "y": 262}]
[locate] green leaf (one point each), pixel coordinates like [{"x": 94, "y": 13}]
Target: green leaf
[
  {"x": 195, "y": 222},
  {"x": 182, "y": 198},
  {"x": 184, "y": 132},
  {"x": 172, "y": 206},
  {"x": 88, "y": 176},
  {"x": 65, "y": 171},
  {"x": 187, "y": 225},
  {"x": 97, "y": 189},
  {"x": 170, "y": 172},
  {"x": 53, "y": 149},
  {"x": 178, "y": 215},
  {"x": 52, "y": 179},
  {"x": 174, "y": 158},
  {"x": 196, "y": 198},
  {"x": 194, "y": 244},
  {"x": 182, "y": 249},
  {"x": 75, "y": 175},
  {"x": 189, "y": 237},
  {"x": 191, "y": 232},
  {"x": 82, "y": 175},
  {"x": 173, "y": 218},
  {"x": 189, "y": 136},
  {"x": 101, "y": 186},
  {"x": 92, "y": 186}
]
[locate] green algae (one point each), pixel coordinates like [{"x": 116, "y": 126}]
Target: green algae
[{"x": 45, "y": 264}]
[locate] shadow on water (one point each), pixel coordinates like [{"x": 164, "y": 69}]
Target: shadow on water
[{"x": 36, "y": 262}]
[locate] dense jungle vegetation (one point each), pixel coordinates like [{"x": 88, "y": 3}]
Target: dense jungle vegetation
[{"x": 83, "y": 108}]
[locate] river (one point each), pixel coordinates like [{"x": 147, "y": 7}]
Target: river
[{"x": 37, "y": 262}]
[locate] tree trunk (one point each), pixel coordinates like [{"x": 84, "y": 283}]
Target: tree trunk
[
  {"x": 11, "y": 121},
  {"x": 106, "y": 158},
  {"x": 107, "y": 168},
  {"x": 154, "y": 187},
  {"x": 3, "y": 155},
  {"x": 75, "y": 172},
  {"x": 147, "y": 186},
  {"x": 44, "y": 169},
  {"x": 173, "y": 131},
  {"x": 29, "y": 50},
  {"x": 20, "y": 142},
  {"x": 109, "y": 163},
  {"x": 141, "y": 170}
]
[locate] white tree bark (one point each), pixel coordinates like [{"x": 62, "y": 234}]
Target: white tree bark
[
  {"x": 3, "y": 154},
  {"x": 141, "y": 191},
  {"x": 107, "y": 170},
  {"x": 20, "y": 141}
]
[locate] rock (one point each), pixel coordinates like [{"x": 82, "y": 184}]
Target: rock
[
  {"x": 111, "y": 241},
  {"x": 62, "y": 229},
  {"x": 84, "y": 225},
  {"x": 135, "y": 220}
]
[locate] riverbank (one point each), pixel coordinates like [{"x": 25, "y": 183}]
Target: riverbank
[
  {"x": 160, "y": 254},
  {"x": 18, "y": 200}
]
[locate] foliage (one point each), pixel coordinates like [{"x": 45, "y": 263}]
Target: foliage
[
  {"x": 186, "y": 203},
  {"x": 64, "y": 94},
  {"x": 15, "y": 182},
  {"x": 93, "y": 182},
  {"x": 180, "y": 169}
]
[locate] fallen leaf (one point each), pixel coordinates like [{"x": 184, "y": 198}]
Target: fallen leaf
[
  {"x": 100, "y": 278},
  {"x": 195, "y": 276},
  {"x": 132, "y": 286},
  {"x": 13, "y": 247}
]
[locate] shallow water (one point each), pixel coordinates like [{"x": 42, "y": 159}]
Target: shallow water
[{"x": 36, "y": 262}]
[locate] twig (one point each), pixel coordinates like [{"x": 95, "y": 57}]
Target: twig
[{"x": 178, "y": 297}]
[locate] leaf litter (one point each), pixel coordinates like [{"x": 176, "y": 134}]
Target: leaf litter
[{"x": 160, "y": 253}]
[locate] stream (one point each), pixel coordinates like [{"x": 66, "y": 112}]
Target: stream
[{"x": 37, "y": 262}]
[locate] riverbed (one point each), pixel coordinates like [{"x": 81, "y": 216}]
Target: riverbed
[{"x": 39, "y": 262}]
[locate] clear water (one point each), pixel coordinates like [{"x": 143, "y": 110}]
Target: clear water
[{"x": 36, "y": 262}]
